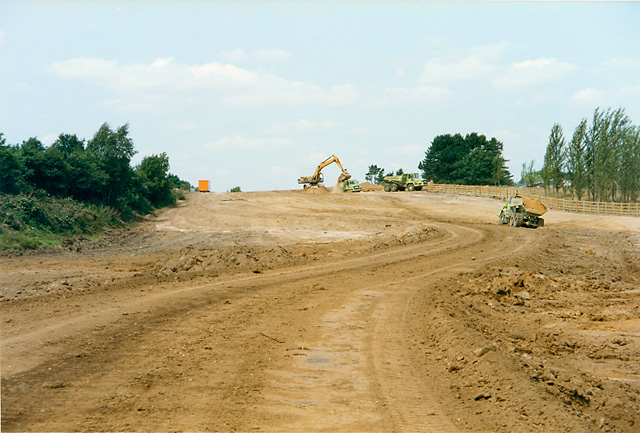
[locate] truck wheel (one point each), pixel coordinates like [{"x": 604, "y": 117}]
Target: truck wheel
[
  {"x": 519, "y": 220},
  {"x": 394, "y": 187},
  {"x": 501, "y": 218},
  {"x": 411, "y": 187},
  {"x": 387, "y": 187},
  {"x": 540, "y": 222}
]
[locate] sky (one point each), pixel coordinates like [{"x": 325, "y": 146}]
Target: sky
[{"x": 257, "y": 94}]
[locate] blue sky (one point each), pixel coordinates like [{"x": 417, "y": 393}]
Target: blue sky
[{"x": 256, "y": 94}]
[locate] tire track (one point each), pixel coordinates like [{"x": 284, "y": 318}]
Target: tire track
[
  {"x": 358, "y": 368},
  {"x": 412, "y": 404},
  {"x": 344, "y": 381},
  {"x": 19, "y": 344}
]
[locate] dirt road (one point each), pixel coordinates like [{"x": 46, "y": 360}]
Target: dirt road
[{"x": 311, "y": 311}]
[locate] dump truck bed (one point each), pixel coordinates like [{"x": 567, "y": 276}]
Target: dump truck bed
[{"x": 534, "y": 206}]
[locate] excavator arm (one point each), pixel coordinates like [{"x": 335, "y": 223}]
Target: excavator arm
[{"x": 317, "y": 175}]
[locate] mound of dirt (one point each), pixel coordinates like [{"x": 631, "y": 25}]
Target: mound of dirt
[
  {"x": 225, "y": 260},
  {"x": 570, "y": 324},
  {"x": 366, "y": 186},
  {"x": 319, "y": 190}
]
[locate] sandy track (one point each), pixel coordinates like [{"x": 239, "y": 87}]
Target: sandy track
[{"x": 337, "y": 344}]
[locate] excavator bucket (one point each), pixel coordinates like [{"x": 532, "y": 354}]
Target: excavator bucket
[{"x": 344, "y": 176}]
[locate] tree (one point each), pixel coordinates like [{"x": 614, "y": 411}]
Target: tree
[
  {"x": 99, "y": 173},
  {"x": 68, "y": 144},
  {"x": 554, "y": 158},
  {"x": 471, "y": 160},
  {"x": 576, "y": 155},
  {"x": 608, "y": 134},
  {"x": 31, "y": 155},
  {"x": 443, "y": 157},
  {"x": 629, "y": 173},
  {"x": 590, "y": 145},
  {"x": 11, "y": 169},
  {"x": 399, "y": 172},
  {"x": 178, "y": 183},
  {"x": 235, "y": 189},
  {"x": 153, "y": 172},
  {"x": 113, "y": 151},
  {"x": 528, "y": 175},
  {"x": 375, "y": 174},
  {"x": 602, "y": 158},
  {"x": 88, "y": 179}
]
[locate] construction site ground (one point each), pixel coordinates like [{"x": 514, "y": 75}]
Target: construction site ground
[{"x": 324, "y": 311}]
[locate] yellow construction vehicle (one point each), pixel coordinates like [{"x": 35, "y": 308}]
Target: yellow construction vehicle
[
  {"x": 522, "y": 211},
  {"x": 318, "y": 178}
]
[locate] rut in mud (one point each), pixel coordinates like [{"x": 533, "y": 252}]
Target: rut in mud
[{"x": 291, "y": 311}]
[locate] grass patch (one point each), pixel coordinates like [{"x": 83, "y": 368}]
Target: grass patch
[{"x": 29, "y": 221}]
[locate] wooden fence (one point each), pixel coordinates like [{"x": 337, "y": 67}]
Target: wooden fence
[{"x": 568, "y": 205}]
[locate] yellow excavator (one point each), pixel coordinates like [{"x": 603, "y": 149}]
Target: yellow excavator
[{"x": 318, "y": 178}]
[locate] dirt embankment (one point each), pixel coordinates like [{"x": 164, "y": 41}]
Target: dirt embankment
[
  {"x": 298, "y": 311},
  {"x": 560, "y": 324}
]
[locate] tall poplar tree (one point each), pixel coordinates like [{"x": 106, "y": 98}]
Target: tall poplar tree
[
  {"x": 576, "y": 160},
  {"x": 554, "y": 158},
  {"x": 629, "y": 173}
]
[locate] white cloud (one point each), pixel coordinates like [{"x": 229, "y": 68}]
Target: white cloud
[
  {"x": 625, "y": 63},
  {"x": 479, "y": 62},
  {"x": 590, "y": 97},
  {"x": 633, "y": 90},
  {"x": 418, "y": 95},
  {"x": 273, "y": 90},
  {"x": 239, "y": 142},
  {"x": 439, "y": 70},
  {"x": 151, "y": 105},
  {"x": 484, "y": 62},
  {"x": 269, "y": 56},
  {"x": 232, "y": 84},
  {"x": 302, "y": 125},
  {"x": 532, "y": 72}
]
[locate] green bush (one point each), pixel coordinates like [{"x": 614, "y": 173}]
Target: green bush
[{"x": 27, "y": 221}]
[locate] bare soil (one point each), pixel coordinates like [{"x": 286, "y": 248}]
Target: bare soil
[{"x": 324, "y": 311}]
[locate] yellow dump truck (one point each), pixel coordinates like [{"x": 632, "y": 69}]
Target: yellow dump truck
[{"x": 522, "y": 211}]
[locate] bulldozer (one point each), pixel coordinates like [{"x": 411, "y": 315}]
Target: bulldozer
[
  {"x": 318, "y": 178},
  {"x": 521, "y": 211}
]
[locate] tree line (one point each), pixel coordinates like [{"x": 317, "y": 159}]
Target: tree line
[
  {"x": 97, "y": 171},
  {"x": 455, "y": 159},
  {"x": 602, "y": 159}
]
